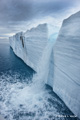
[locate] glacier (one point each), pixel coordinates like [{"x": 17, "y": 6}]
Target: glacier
[{"x": 56, "y": 60}]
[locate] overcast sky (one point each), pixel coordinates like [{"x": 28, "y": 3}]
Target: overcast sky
[{"x": 17, "y": 15}]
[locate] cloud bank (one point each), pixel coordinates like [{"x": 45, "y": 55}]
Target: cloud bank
[{"x": 17, "y": 15}]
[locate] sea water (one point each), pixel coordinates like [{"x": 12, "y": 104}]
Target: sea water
[{"x": 23, "y": 99}]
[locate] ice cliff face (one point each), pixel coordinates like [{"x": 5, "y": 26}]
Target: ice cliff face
[
  {"x": 29, "y": 46},
  {"x": 57, "y": 64},
  {"x": 66, "y": 80}
]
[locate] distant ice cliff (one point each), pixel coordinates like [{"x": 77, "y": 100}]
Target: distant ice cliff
[{"x": 56, "y": 63}]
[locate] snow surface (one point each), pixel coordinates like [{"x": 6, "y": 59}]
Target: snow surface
[{"x": 57, "y": 64}]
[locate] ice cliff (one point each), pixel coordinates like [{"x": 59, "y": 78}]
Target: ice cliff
[
  {"x": 66, "y": 80},
  {"x": 57, "y": 63},
  {"x": 29, "y": 46}
]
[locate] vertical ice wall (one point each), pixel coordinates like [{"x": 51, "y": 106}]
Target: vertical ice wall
[
  {"x": 29, "y": 46},
  {"x": 66, "y": 52}
]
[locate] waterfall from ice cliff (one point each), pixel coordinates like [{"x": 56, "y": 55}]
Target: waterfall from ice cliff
[{"x": 42, "y": 74}]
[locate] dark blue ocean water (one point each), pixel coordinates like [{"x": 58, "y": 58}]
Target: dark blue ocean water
[
  {"x": 20, "y": 98},
  {"x": 9, "y": 62}
]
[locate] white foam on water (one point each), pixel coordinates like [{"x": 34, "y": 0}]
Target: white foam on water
[{"x": 20, "y": 101}]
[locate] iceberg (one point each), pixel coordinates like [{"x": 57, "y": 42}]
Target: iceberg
[{"x": 56, "y": 60}]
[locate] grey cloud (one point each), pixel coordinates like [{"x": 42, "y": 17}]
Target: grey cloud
[
  {"x": 13, "y": 12},
  {"x": 20, "y": 10}
]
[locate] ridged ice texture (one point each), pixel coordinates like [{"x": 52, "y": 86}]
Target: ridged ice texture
[
  {"x": 34, "y": 41},
  {"x": 66, "y": 82}
]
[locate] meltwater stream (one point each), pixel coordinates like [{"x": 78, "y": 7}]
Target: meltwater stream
[{"x": 20, "y": 98}]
